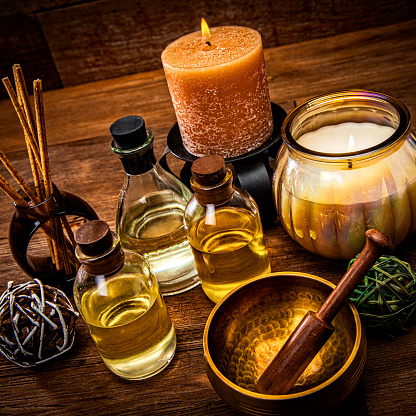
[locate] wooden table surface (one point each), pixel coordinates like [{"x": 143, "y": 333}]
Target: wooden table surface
[{"x": 78, "y": 118}]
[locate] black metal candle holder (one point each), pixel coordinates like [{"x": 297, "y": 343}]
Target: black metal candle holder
[{"x": 253, "y": 168}]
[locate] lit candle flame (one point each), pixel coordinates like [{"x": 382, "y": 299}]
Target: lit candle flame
[
  {"x": 206, "y": 34},
  {"x": 351, "y": 144},
  {"x": 205, "y": 29}
]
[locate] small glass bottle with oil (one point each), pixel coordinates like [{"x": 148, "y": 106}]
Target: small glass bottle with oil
[
  {"x": 224, "y": 229},
  {"x": 118, "y": 297},
  {"x": 149, "y": 218}
]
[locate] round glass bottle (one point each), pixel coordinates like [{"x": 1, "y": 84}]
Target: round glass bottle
[
  {"x": 224, "y": 229},
  {"x": 151, "y": 204},
  {"x": 328, "y": 193},
  {"x": 118, "y": 297}
]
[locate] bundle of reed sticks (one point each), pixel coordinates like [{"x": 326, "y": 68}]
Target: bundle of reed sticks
[{"x": 58, "y": 232}]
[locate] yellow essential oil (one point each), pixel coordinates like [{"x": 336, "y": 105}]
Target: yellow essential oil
[
  {"x": 153, "y": 227},
  {"x": 228, "y": 249},
  {"x": 130, "y": 325},
  {"x": 118, "y": 297}
]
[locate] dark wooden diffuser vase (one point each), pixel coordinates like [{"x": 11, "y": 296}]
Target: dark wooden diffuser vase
[{"x": 30, "y": 248}]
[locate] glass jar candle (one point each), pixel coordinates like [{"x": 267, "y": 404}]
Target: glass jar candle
[{"x": 347, "y": 164}]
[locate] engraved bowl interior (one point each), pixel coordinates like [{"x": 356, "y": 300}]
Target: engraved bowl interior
[{"x": 248, "y": 327}]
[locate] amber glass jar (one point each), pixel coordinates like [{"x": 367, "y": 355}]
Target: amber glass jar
[{"x": 327, "y": 191}]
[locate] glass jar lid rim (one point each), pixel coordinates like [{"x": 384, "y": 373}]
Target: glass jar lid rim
[{"x": 401, "y": 131}]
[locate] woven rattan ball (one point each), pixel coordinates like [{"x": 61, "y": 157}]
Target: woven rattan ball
[
  {"x": 386, "y": 299},
  {"x": 37, "y": 323}
]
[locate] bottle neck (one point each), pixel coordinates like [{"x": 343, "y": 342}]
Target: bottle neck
[
  {"x": 218, "y": 194},
  {"x": 137, "y": 160},
  {"x": 140, "y": 164}
]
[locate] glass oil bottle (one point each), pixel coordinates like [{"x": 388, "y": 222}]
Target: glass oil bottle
[
  {"x": 224, "y": 229},
  {"x": 118, "y": 297},
  {"x": 151, "y": 204}
]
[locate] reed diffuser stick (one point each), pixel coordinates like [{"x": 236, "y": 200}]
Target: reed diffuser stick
[
  {"x": 59, "y": 234},
  {"x": 23, "y": 98},
  {"x": 10, "y": 192},
  {"x": 22, "y": 118}
]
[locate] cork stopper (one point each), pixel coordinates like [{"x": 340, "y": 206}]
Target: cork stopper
[
  {"x": 211, "y": 181},
  {"x": 98, "y": 249},
  {"x": 94, "y": 238},
  {"x": 209, "y": 170}
]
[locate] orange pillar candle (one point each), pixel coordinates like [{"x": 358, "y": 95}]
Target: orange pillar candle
[{"x": 219, "y": 90}]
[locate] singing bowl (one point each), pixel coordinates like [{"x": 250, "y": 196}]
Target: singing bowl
[{"x": 247, "y": 328}]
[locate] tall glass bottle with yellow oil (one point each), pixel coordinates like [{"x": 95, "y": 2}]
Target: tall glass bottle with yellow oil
[{"x": 149, "y": 218}]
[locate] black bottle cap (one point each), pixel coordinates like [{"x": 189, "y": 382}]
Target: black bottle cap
[
  {"x": 209, "y": 170},
  {"x": 94, "y": 237},
  {"x": 129, "y": 132}
]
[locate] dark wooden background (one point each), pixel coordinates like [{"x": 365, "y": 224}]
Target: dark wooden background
[{"x": 71, "y": 42}]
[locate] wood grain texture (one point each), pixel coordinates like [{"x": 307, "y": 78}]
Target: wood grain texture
[
  {"x": 77, "y": 122},
  {"x": 105, "y": 39},
  {"x": 22, "y": 41},
  {"x": 301, "y": 20},
  {"x": 26, "y": 7},
  {"x": 129, "y": 36},
  {"x": 344, "y": 62},
  {"x": 73, "y": 42}
]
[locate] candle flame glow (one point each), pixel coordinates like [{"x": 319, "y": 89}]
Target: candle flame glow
[
  {"x": 205, "y": 28},
  {"x": 351, "y": 143}
]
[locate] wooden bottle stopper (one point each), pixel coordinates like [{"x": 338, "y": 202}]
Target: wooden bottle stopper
[
  {"x": 94, "y": 237},
  {"x": 211, "y": 181},
  {"x": 209, "y": 170},
  {"x": 98, "y": 249}
]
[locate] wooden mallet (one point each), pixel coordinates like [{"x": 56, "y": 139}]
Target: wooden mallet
[{"x": 315, "y": 328}]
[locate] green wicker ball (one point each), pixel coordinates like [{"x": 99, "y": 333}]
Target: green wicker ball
[{"x": 386, "y": 299}]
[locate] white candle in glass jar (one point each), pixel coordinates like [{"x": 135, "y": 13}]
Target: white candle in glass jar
[
  {"x": 326, "y": 201},
  {"x": 331, "y": 206},
  {"x": 337, "y": 138}
]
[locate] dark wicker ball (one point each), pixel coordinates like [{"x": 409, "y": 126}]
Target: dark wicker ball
[{"x": 37, "y": 323}]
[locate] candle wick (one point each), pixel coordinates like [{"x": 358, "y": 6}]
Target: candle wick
[
  {"x": 208, "y": 46},
  {"x": 349, "y": 164}
]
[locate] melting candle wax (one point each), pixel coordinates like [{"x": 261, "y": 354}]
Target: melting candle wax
[
  {"x": 337, "y": 138},
  {"x": 219, "y": 90}
]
